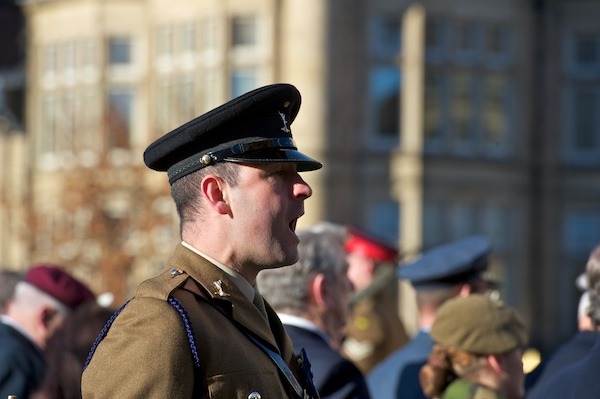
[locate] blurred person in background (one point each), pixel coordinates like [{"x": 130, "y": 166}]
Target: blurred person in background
[
  {"x": 311, "y": 298},
  {"x": 477, "y": 354},
  {"x": 68, "y": 349},
  {"x": 579, "y": 379},
  {"x": 578, "y": 346},
  {"x": 444, "y": 272},
  {"x": 41, "y": 302},
  {"x": 375, "y": 329},
  {"x": 8, "y": 282}
]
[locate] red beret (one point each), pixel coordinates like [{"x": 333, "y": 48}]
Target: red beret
[
  {"x": 59, "y": 284},
  {"x": 360, "y": 243}
]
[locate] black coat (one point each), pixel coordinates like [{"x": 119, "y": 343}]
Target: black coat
[
  {"x": 22, "y": 363},
  {"x": 568, "y": 353},
  {"x": 577, "y": 381},
  {"x": 333, "y": 375}
]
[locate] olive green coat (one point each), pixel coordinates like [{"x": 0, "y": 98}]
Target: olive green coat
[
  {"x": 463, "y": 389},
  {"x": 146, "y": 353}
]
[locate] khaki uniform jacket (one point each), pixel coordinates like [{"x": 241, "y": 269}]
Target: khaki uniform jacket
[
  {"x": 374, "y": 331},
  {"x": 146, "y": 353}
]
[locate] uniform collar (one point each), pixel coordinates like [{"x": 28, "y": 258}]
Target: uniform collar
[{"x": 236, "y": 278}]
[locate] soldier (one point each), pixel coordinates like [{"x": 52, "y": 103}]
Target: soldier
[
  {"x": 444, "y": 272},
  {"x": 201, "y": 329},
  {"x": 374, "y": 329},
  {"x": 477, "y": 354}
]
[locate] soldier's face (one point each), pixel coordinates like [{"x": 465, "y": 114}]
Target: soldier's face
[{"x": 266, "y": 205}]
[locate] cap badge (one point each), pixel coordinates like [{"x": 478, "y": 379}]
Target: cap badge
[
  {"x": 285, "y": 126},
  {"x": 219, "y": 286}
]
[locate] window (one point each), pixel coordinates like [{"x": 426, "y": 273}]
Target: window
[
  {"x": 586, "y": 106},
  {"x": 497, "y": 113},
  {"x": 165, "y": 104},
  {"x": 68, "y": 58},
  {"x": 119, "y": 50},
  {"x": 383, "y": 217},
  {"x": 243, "y": 79},
  {"x": 385, "y": 100},
  {"x": 164, "y": 41},
  {"x": 586, "y": 49},
  {"x": 48, "y": 123},
  {"x": 462, "y": 107},
  {"x": 581, "y": 130},
  {"x": 433, "y": 126},
  {"x": 583, "y": 54},
  {"x": 582, "y": 133},
  {"x": 436, "y": 38},
  {"x": 444, "y": 221},
  {"x": 386, "y": 35},
  {"x": 208, "y": 34},
  {"x": 470, "y": 106},
  {"x": 188, "y": 37},
  {"x": 244, "y": 31},
  {"x": 498, "y": 44},
  {"x": 581, "y": 231},
  {"x": 49, "y": 59},
  {"x": 465, "y": 37},
  {"x": 187, "y": 96},
  {"x": 119, "y": 118},
  {"x": 209, "y": 94},
  {"x": 88, "y": 56}
]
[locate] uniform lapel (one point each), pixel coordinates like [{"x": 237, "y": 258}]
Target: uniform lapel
[{"x": 220, "y": 288}]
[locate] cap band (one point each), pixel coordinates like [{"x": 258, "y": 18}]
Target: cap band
[{"x": 203, "y": 159}]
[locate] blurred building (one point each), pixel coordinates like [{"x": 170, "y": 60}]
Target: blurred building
[
  {"x": 435, "y": 120},
  {"x": 13, "y": 173}
]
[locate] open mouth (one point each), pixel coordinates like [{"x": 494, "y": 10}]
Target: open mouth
[{"x": 293, "y": 225}]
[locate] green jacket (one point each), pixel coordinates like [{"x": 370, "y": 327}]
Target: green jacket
[
  {"x": 463, "y": 389},
  {"x": 146, "y": 353}
]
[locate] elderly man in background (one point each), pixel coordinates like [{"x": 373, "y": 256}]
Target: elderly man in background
[
  {"x": 311, "y": 298},
  {"x": 40, "y": 304}
]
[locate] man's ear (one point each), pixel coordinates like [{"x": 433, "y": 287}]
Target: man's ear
[
  {"x": 496, "y": 363},
  {"x": 214, "y": 190},
  {"x": 317, "y": 289},
  {"x": 46, "y": 315}
]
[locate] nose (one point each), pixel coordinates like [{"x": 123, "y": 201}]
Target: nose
[{"x": 302, "y": 189}]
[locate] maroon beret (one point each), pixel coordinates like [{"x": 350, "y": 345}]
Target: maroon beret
[{"x": 59, "y": 284}]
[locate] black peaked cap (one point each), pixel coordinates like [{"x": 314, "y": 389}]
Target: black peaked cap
[{"x": 254, "y": 128}]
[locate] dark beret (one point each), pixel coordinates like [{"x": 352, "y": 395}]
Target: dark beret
[
  {"x": 479, "y": 325},
  {"x": 254, "y": 128},
  {"x": 451, "y": 263},
  {"x": 59, "y": 284}
]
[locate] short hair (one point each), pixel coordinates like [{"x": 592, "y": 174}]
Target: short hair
[
  {"x": 433, "y": 298},
  {"x": 321, "y": 251},
  {"x": 28, "y": 296},
  {"x": 186, "y": 191},
  {"x": 592, "y": 271},
  {"x": 8, "y": 282}
]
